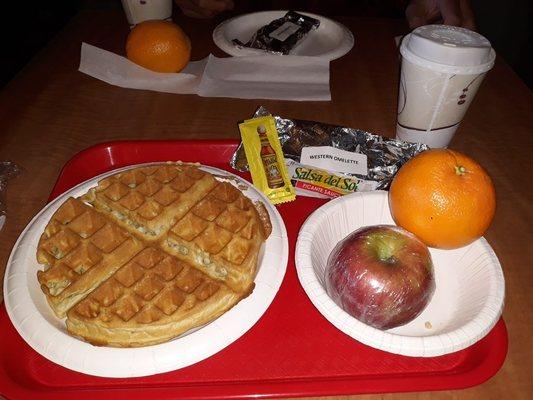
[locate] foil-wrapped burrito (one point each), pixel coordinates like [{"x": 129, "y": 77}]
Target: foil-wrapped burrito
[
  {"x": 281, "y": 35},
  {"x": 382, "y": 156}
]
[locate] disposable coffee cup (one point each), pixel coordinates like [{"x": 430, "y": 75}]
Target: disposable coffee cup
[
  {"x": 142, "y": 10},
  {"x": 442, "y": 68}
]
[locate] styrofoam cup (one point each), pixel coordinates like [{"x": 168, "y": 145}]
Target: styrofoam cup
[
  {"x": 142, "y": 10},
  {"x": 442, "y": 68}
]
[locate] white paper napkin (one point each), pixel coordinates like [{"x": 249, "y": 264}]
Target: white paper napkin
[{"x": 297, "y": 78}]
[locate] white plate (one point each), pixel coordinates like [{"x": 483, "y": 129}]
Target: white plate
[
  {"x": 468, "y": 299},
  {"x": 45, "y": 333},
  {"x": 331, "y": 40}
]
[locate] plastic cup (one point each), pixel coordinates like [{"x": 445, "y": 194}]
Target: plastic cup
[
  {"x": 442, "y": 68},
  {"x": 142, "y": 10}
]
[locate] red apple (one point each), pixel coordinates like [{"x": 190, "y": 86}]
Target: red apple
[{"x": 382, "y": 275}]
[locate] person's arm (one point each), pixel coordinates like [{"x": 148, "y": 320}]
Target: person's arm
[
  {"x": 203, "y": 8},
  {"x": 448, "y": 12}
]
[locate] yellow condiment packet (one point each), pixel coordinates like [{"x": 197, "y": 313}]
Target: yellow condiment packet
[{"x": 265, "y": 159}]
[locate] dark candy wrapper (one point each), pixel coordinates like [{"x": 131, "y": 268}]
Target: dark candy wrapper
[
  {"x": 281, "y": 35},
  {"x": 384, "y": 156}
]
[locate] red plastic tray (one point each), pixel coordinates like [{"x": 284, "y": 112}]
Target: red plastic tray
[{"x": 291, "y": 351}]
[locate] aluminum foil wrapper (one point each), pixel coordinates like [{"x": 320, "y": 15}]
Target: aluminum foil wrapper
[
  {"x": 281, "y": 35},
  {"x": 385, "y": 156},
  {"x": 8, "y": 170}
]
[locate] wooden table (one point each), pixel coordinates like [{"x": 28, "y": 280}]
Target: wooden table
[{"x": 50, "y": 111}]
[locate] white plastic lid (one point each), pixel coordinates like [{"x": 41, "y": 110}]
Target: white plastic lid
[
  {"x": 449, "y": 48},
  {"x": 450, "y": 45}
]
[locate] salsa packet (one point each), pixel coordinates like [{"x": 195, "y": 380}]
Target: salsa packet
[
  {"x": 281, "y": 35},
  {"x": 315, "y": 182},
  {"x": 265, "y": 159}
]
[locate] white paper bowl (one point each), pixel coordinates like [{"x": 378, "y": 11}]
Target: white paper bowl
[
  {"x": 331, "y": 40},
  {"x": 468, "y": 299}
]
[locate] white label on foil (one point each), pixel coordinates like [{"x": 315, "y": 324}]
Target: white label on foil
[
  {"x": 332, "y": 159},
  {"x": 284, "y": 31}
]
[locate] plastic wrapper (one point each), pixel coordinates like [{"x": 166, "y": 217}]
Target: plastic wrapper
[
  {"x": 8, "y": 170},
  {"x": 281, "y": 35},
  {"x": 384, "y": 156},
  {"x": 382, "y": 275}
]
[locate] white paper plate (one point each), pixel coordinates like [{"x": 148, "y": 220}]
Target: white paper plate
[
  {"x": 45, "y": 333},
  {"x": 331, "y": 40},
  {"x": 469, "y": 293}
]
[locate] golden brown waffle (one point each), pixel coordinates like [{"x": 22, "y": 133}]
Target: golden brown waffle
[{"x": 152, "y": 253}]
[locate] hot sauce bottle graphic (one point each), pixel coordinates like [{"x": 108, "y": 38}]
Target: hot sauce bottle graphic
[{"x": 270, "y": 163}]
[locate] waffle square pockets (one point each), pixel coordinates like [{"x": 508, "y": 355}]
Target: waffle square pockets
[{"x": 150, "y": 253}]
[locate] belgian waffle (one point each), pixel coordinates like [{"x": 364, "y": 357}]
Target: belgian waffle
[{"x": 150, "y": 253}]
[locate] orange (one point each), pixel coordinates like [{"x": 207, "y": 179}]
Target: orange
[
  {"x": 443, "y": 197},
  {"x": 161, "y": 46}
]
